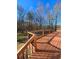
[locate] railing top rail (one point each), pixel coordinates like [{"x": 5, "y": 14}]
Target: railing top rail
[
  {"x": 29, "y": 41},
  {"x": 26, "y": 44}
]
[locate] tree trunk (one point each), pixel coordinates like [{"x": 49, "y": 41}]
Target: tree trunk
[
  {"x": 56, "y": 24},
  {"x": 49, "y": 23}
]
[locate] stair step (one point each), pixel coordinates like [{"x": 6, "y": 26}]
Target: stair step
[
  {"x": 44, "y": 55},
  {"x": 41, "y": 47},
  {"x": 39, "y": 57},
  {"x": 41, "y": 54},
  {"x": 47, "y": 49}
]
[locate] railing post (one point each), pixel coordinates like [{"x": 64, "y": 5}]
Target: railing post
[
  {"x": 49, "y": 31},
  {"x": 26, "y": 53},
  {"x": 43, "y": 32},
  {"x": 35, "y": 43}
]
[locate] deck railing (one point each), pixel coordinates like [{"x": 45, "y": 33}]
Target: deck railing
[{"x": 30, "y": 46}]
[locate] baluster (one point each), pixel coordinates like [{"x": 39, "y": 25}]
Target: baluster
[
  {"x": 23, "y": 55},
  {"x": 17, "y": 57},
  {"x": 26, "y": 53},
  {"x": 34, "y": 43},
  {"x": 43, "y": 33},
  {"x": 32, "y": 48},
  {"x": 30, "y": 45}
]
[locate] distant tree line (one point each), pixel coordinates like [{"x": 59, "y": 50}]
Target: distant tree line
[{"x": 35, "y": 19}]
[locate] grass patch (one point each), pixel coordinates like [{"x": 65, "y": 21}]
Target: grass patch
[
  {"x": 22, "y": 34},
  {"x": 21, "y": 37}
]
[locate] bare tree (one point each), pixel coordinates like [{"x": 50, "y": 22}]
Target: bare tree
[
  {"x": 20, "y": 21},
  {"x": 49, "y": 16},
  {"x": 39, "y": 12},
  {"x": 30, "y": 17},
  {"x": 56, "y": 11}
]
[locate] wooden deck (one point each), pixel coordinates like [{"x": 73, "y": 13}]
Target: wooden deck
[{"x": 48, "y": 47}]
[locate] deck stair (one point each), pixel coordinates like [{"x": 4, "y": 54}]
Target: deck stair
[{"x": 45, "y": 47}]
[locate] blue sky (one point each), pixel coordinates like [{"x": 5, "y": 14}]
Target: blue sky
[{"x": 27, "y": 4}]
